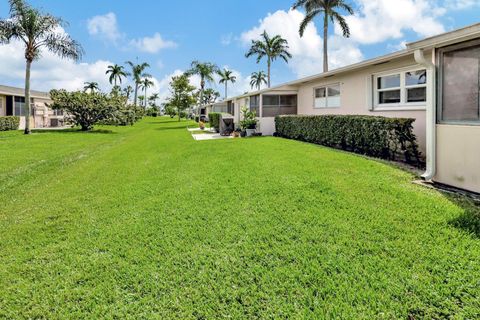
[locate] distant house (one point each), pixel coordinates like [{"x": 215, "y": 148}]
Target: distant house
[
  {"x": 435, "y": 81},
  {"x": 12, "y": 103}
]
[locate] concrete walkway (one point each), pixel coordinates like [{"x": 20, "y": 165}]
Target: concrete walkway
[{"x": 209, "y": 136}]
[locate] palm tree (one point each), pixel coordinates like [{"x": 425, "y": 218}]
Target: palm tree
[
  {"x": 205, "y": 70},
  {"x": 225, "y": 77},
  {"x": 141, "y": 99},
  {"x": 128, "y": 90},
  {"x": 153, "y": 99},
  {"x": 138, "y": 73},
  {"x": 145, "y": 84},
  {"x": 257, "y": 79},
  {"x": 272, "y": 48},
  {"x": 92, "y": 86},
  {"x": 116, "y": 74},
  {"x": 329, "y": 9},
  {"x": 37, "y": 31}
]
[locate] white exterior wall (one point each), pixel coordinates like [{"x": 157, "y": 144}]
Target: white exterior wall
[
  {"x": 3, "y": 106},
  {"x": 458, "y": 156}
]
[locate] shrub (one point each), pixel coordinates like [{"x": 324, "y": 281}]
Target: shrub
[
  {"x": 86, "y": 109},
  {"x": 124, "y": 116},
  {"x": 249, "y": 120},
  {"x": 9, "y": 123},
  {"x": 214, "y": 119},
  {"x": 152, "y": 112},
  {"x": 387, "y": 138}
]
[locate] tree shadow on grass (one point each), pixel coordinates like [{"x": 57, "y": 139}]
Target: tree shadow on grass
[
  {"x": 163, "y": 121},
  {"x": 75, "y": 131},
  {"x": 469, "y": 220},
  {"x": 172, "y": 128}
]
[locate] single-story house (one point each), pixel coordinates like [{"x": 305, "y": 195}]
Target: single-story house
[
  {"x": 435, "y": 81},
  {"x": 12, "y": 103}
]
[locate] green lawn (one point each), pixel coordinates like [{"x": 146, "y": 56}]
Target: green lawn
[{"x": 144, "y": 222}]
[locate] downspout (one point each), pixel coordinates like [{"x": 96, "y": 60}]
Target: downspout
[{"x": 431, "y": 114}]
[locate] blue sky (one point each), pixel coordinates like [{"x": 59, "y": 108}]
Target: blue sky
[{"x": 170, "y": 35}]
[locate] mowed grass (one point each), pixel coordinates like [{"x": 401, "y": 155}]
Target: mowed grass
[{"x": 144, "y": 222}]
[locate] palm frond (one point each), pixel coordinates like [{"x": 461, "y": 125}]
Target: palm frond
[
  {"x": 64, "y": 46},
  {"x": 343, "y": 24}
]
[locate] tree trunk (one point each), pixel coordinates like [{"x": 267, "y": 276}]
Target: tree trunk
[
  {"x": 325, "y": 43},
  {"x": 27, "y": 97},
  {"x": 269, "y": 63},
  {"x": 136, "y": 94},
  {"x": 226, "y": 90},
  {"x": 145, "y": 103},
  {"x": 202, "y": 87}
]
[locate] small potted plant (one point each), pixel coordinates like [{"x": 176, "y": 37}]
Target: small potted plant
[
  {"x": 249, "y": 122},
  {"x": 201, "y": 124}
]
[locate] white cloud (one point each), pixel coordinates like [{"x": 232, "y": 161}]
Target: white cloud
[
  {"x": 104, "y": 26},
  {"x": 307, "y": 51},
  {"x": 152, "y": 44},
  {"x": 461, "y": 4},
  {"x": 380, "y": 20},
  {"x": 52, "y": 72}
]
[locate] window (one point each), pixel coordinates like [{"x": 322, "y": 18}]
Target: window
[
  {"x": 255, "y": 104},
  {"x": 402, "y": 88},
  {"x": 231, "y": 108},
  {"x": 460, "y": 85},
  {"x": 276, "y": 105},
  {"x": 327, "y": 97},
  {"x": 20, "y": 107},
  {"x": 58, "y": 112}
]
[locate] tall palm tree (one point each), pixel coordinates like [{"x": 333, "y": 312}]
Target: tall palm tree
[
  {"x": 145, "y": 84},
  {"x": 205, "y": 70},
  {"x": 269, "y": 47},
  {"x": 138, "y": 73},
  {"x": 92, "y": 86},
  {"x": 116, "y": 72},
  {"x": 225, "y": 77},
  {"x": 257, "y": 79},
  {"x": 37, "y": 31},
  {"x": 329, "y": 9}
]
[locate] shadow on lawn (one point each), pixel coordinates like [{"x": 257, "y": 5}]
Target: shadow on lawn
[
  {"x": 172, "y": 128},
  {"x": 469, "y": 220},
  {"x": 72, "y": 131}
]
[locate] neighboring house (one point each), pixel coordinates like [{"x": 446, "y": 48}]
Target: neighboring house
[
  {"x": 12, "y": 103},
  {"x": 435, "y": 81}
]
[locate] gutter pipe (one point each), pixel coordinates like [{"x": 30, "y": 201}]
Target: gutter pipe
[{"x": 431, "y": 114}]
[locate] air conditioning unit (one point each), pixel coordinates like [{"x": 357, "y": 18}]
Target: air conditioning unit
[{"x": 54, "y": 123}]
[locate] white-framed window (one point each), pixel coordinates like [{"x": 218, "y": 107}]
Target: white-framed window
[
  {"x": 327, "y": 96},
  {"x": 402, "y": 88}
]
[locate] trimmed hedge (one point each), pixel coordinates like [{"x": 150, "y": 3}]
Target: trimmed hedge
[
  {"x": 387, "y": 138},
  {"x": 214, "y": 120},
  {"x": 9, "y": 123}
]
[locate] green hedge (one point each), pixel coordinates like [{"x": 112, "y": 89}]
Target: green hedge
[
  {"x": 9, "y": 123},
  {"x": 387, "y": 138},
  {"x": 214, "y": 120}
]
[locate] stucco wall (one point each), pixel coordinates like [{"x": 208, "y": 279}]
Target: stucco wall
[
  {"x": 3, "y": 107},
  {"x": 357, "y": 94},
  {"x": 458, "y": 156},
  {"x": 266, "y": 126}
]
